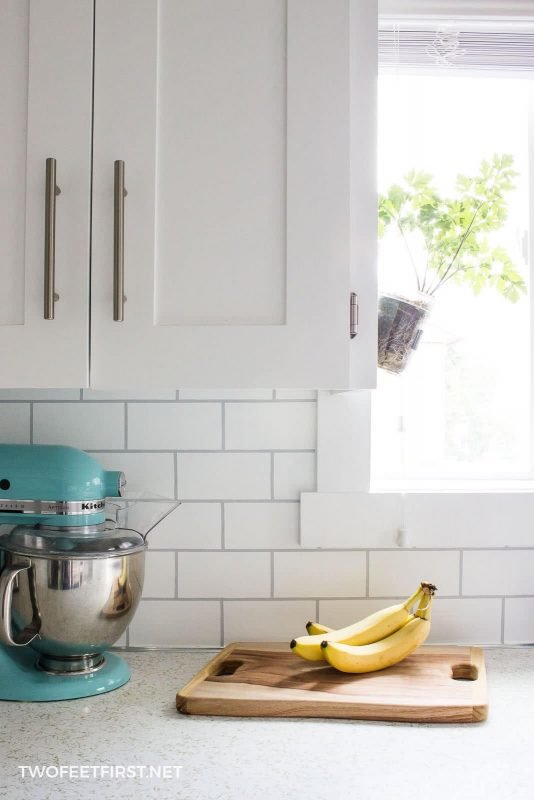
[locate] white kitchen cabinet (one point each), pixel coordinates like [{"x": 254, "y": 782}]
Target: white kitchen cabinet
[
  {"x": 45, "y": 86},
  {"x": 247, "y": 132}
]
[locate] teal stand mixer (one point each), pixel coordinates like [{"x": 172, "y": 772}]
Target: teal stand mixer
[{"x": 70, "y": 578}]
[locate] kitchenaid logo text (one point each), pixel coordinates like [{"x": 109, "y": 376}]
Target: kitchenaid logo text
[
  {"x": 99, "y": 771},
  {"x": 93, "y": 506}
]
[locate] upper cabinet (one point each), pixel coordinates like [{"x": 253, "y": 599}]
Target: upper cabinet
[
  {"x": 46, "y": 52},
  {"x": 247, "y": 132},
  {"x": 232, "y": 195}
]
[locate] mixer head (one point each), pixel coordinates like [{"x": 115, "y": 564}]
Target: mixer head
[{"x": 53, "y": 485}]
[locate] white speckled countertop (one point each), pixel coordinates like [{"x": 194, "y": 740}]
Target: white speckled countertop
[{"x": 249, "y": 759}]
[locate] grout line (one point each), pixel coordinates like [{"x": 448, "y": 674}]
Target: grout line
[
  {"x": 222, "y": 621},
  {"x": 223, "y": 423},
  {"x": 176, "y": 574},
  {"x": 503, "y": 608},
  {"x": 223, "y": 527},
  {"x": 175, "y": 467},
  {"x": 273, "y": 396},
  {"x": 317, "y": 610},
  {"x": 265, "y": 401},
  {"x": 255, "y": 501},
  {"x": 272, "y": 573},
  {"x": 367, "y": 562},
  {"x": 126, "y": 426},
  {"x": 461, "y": 576},
  {"x": 200, "y": 452},
  {"x": 308, "y": 549},
  {"x": 272, "y": 475},
  {"x": 177, "y": 394},
  {"x": 150, "y": 400},
  {"x": 90, "y": 221},
  {"x": 268, "y": 599}
]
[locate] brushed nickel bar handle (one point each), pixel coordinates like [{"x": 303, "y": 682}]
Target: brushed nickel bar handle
[
  {"x": 118, "y": 242},
  {"x": 51, "y": 192}
]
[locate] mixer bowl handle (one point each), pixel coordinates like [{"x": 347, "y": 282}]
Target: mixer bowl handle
[{"x": 31, "y": 631}]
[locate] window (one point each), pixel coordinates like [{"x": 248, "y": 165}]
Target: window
[
  {"x": 450, "y": 97},
  {"x": 464, "y": 454}
]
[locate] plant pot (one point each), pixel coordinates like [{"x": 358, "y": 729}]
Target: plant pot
[{"x": 399, "y": 329}]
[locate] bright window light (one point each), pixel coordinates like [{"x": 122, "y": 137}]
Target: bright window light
[{"x": 462, "y": 409}]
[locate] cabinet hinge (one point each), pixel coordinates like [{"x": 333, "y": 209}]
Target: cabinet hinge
[{"x": 353, "y": 315}]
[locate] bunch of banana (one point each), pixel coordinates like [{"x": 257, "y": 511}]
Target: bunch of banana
[
  {"x": 374, "y": 629},
  {"x": 387, "y": 651}
]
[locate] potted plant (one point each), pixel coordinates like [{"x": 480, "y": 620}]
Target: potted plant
[{"x": 452, "y": 233}]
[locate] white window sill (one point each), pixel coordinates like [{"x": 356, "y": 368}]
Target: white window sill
[
  {"x": 343, "y": 513},
  {"x": 434, "y": 520}
]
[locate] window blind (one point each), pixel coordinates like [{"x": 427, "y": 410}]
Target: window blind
[{"x": 430, "y": 44}]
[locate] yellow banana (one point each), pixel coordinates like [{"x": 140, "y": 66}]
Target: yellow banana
[
  {"x": 368, "y": 630},
  {"x": 316, "y": 629},
  {"x": 386, "y": 652}
]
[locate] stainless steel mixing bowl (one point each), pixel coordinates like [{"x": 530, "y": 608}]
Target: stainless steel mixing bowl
[{"x": 69, "y": 606}]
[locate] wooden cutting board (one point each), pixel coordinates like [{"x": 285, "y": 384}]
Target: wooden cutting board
[{"x": 435, "y": 684}]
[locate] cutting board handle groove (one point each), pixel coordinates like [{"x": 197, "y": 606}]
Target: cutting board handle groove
[{"x": 464, "y": 672}]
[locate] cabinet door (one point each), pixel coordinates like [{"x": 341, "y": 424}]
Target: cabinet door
[
  {"x": 45, "y": 85},
  {"x": 247, "y": 135}
]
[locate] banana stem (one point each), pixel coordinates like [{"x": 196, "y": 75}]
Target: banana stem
[
  {"x": 423, "y": 611},
  {"x": 414, "y": 598}
]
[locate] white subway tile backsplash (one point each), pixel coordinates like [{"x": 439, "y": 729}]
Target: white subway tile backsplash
[
  {"x": 319, "y": 574},
  {"x": 148, "y": 475},
  {"x": 261, "y": 525},
  {"x": 393, "y": 573},
  {"x": 193, "y": 526},
  {"x": 224, "y": 476},
  {"x": 174, "y": 426},
  {"x": 518, "y": 620},
  {"x": 160, "y": 575},
  {"x": 225, "y": 394},
  {"x": 15, "y": 423},
  {"x": 89, "y": 426},
  {"x": 293, "y": 473},
  {"x": 172, "y": 623},
  {"x": 153, "y": 394},
  {"x": 236, "y": 535},
  {"x": 39, "y": 394},
  {"x": 466, "y": 621},
  {"x": 270, "y": 426},
  {"x": 224, "y": 574},
  {"x": 498, "y": 572},
  {"x": 266, "y": 620}
]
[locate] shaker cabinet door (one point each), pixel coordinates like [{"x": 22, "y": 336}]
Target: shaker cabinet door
[
  {"x": 233, "y": 205},
  {"x": 45, "y": 86}
]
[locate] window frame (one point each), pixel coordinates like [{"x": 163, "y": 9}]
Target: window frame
[{"x": 343, "y": 512}]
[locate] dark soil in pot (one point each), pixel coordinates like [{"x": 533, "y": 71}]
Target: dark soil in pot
[{"x": 399, "y": 330}]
